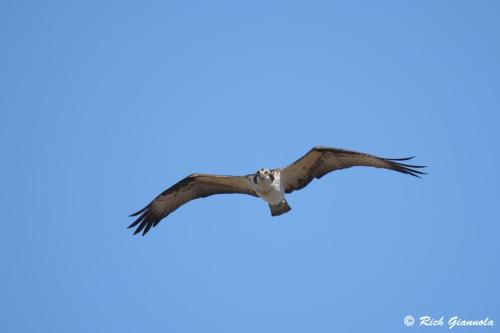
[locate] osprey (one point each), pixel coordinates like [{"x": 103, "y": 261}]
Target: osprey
[{"x": 271, "y": 185}]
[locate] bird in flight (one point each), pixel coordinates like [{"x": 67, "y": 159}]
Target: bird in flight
[{"x": 271, "y": 185}]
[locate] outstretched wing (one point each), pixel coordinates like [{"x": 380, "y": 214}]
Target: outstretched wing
[
  {"x": 192, "y": 187},
  {"x": 321, "y": 160}
]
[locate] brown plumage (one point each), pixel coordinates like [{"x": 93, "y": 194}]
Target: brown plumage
[
  {"x": 192, "y": 187},
  {"x": 321, "y": 160},
  {"x": 270, "y": 185}
]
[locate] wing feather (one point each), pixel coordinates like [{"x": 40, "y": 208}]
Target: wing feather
[
  {"x": 321, "y": 160},
  {"x": 192, "y": 187}
]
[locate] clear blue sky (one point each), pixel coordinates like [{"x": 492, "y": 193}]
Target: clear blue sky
[{"x": 106, "y": 104}]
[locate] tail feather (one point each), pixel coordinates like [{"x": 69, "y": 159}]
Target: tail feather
[{"x": 280, "y": 208}]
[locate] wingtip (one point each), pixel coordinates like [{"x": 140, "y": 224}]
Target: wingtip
[
  {"x": 148, "y": 226},
  {"x": 139, "y": 211},
  {"x": 416, "y": 173},
  {"x": 401, "y": 159}
]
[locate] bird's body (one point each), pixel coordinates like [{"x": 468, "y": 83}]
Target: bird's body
[
  {"x": 267, "y": 185},
  {"x": 271, "y": 185}
]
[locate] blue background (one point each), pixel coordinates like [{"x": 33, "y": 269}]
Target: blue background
[{"x": 106, "y": 104}]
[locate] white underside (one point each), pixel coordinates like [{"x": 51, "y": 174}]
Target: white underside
[{"x": 269, "y": 190}]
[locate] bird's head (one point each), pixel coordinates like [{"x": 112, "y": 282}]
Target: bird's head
[{"x": 265, "y": 175}]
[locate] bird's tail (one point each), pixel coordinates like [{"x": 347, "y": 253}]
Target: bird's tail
[{"x": 280, "y": 208}]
